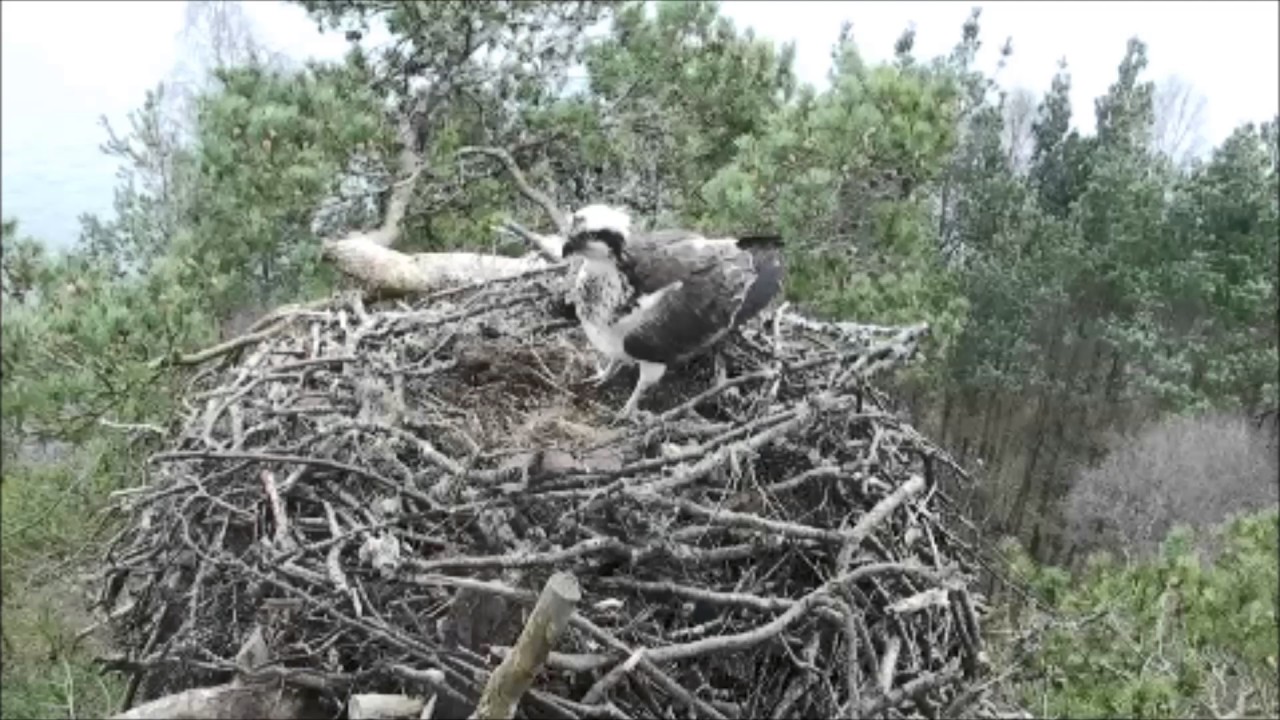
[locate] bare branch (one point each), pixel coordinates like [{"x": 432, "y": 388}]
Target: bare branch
[
  {"x": 522, "y": 183},
  {"x": 1178, "y": 133}
]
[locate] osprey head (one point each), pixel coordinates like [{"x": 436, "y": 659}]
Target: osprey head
[{"x": 598, "y": 232}]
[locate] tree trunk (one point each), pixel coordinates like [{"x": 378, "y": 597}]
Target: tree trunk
[
  {"x": 984, "y": 443},
  {"x": 1048, "y": 493},
  {"x": 395, "y": 272},
  {"x": 1024, "y": 489},
  {"x": 1009, "y": 411},
  {"x": 948, "y": 402},
  {"x": 1056, "y": 483}
]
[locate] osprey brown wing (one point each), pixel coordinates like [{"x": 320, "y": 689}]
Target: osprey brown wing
[{"x": 697, "y": 288}]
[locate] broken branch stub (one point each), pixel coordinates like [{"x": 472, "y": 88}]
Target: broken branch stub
[{"x": 517, "y": 670}]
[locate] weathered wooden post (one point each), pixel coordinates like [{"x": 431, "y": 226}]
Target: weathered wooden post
[{"x": 512, "y": 678}]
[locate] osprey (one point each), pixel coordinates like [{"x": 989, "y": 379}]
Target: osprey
[{"x": 658, "y": 298}]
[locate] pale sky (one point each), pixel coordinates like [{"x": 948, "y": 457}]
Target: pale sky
[{"x": 66, "y": 63}]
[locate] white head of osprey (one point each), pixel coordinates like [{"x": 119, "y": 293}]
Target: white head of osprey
[{"x": 659, "y": 297}]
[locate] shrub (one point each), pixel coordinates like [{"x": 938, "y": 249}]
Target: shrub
[
  {"x": 1169, "y": 636},
  {"x": 1196, "y": 471}
]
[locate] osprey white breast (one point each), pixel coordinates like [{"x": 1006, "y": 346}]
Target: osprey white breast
[
  {"x": 597, "y": 292},
  {"x": 660, "y": 297}
]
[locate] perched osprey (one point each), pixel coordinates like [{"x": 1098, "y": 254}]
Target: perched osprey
[{"x": 661, "y": 297}]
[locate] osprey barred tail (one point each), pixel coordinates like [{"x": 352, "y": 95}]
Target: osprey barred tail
[{"x": 659, "y": 298}]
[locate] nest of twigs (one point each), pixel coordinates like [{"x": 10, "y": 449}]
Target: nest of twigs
[{"x": 368, "y": 500}]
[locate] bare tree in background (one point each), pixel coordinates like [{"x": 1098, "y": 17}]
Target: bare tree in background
[
  {"x": 1179, "y": 120},
  {"x": 1019, "y": 115},
  {"x": 216, "y": 34},
  {"x": 219, "y": 33},
  {"x": 1196, "y": 471},
  {"x": 156, "y": 153}
]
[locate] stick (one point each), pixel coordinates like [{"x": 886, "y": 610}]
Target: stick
[
  {"x": 515, "y": 673},
  {"x": 550, "y": 247},
  {"x": 209, "y": 353},
  {"x": 283, "y": 541},
  {"x": 911, "y": 690},
  {"x": 876, "y": 516}
]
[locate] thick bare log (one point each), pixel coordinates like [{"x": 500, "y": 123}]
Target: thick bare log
[
  {"x": 515, "y": 673},
  {"x": 394, "y": 272},
  {"x": 376, "y": 706},
  {"x": 227, "y": 702},
  {"x": 459, "y": 427}
]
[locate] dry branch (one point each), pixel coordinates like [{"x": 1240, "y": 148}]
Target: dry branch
[{"x": 375, "y": 494}]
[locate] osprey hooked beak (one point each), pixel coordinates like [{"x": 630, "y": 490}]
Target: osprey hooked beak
[{"x": 597, "y": 232}]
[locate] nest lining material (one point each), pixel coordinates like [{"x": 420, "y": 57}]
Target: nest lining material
[{"x": 368, "y": 500}]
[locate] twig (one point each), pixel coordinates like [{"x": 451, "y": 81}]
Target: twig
[
  {"x": 334, "y": 565},
  {"x": 889, "y": 664},
  {"x": 515, "y": 560},
  {"x": 133, "y": 427},
  {"x": 883, "y": 509},
  {"x": 522, "y": 183},
  {"x": 379, "y": 706},
  {"x": 910, "y": 690},
  {"x": 283, "y": 540},
  {"x": 571, "y": 662},
  {"x": 220, "y": 349}
]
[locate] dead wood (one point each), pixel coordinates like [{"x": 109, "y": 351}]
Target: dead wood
[
  {"x": 227, "y": 702},
  {"x": 370, "y": 498},
  {"x": 381, "y": 706},
  {"x": 514, "y": 675},
  {"x": 394, "y": 272},
  {"x": 370, "y": 258}
]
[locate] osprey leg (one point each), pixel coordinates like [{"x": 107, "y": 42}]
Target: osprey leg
[
  {"x": 650, "y": 373},
  {"x": 609, "y": 370}
]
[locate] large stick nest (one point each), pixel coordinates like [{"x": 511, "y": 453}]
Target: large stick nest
[{"x": 369, "y": 500}]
